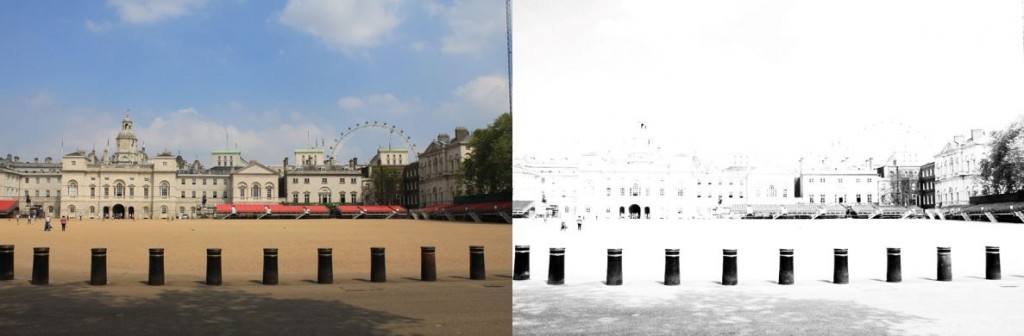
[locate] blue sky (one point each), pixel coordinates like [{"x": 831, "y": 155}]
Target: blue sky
[{"x": 271, "y": 74}]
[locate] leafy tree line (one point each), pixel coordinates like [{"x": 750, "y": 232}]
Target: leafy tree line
[
  {"x": 488, "y": 169},
  {"x": 1003, "y": 169}
]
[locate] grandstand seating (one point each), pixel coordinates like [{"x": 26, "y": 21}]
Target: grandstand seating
[
  {"x": 833, "y": 210},
  {"x": 7, "y": 206},
  {"x": 520, "y": 208},
  {"x": 276, "y": 210}
]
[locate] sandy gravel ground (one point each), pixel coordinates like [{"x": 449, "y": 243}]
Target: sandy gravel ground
[
  {"x": 969, "y": 305},
  {"x": 243, "y": 306}
]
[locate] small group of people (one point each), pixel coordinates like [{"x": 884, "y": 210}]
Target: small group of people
[
  {"x": 63, "y": 224},
  {"x": 579, "y": 224}
]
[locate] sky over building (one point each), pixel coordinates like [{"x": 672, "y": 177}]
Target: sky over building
[
  {"x": 781, "y": 79},
  {"x": 270, "y": 76}
]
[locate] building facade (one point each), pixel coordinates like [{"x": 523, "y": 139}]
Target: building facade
[
  {"x": 927, "y": 183},
  {"x": 439, "y": 167},
  {"x": 958, "y": 168}
]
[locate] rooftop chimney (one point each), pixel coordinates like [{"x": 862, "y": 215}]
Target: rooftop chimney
[
  {"x": 977, "y": 134},
  {"x": 958, "y": 139},
  {"x": 443, "y": 138},
  {"x": 461, "y": 133}
]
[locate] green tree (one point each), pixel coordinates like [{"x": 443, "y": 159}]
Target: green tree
[
  {"x": 488, "y": 169},
  {"x": 387, "y": 185},
  {"x": 1003, "y": 169}
]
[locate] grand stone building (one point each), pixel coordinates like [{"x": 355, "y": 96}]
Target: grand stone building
[
  {"x": 958, "y": 168},
  {"x": 127, "y": 182},
  {"x": 130, "y": 184},
  {"x": 637, "y": 179},
  {"x": 439, "y": 166}
]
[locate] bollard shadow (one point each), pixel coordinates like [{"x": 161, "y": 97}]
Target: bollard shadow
[
  {"x": 928, "y": 278},
  {"x": 826, "y": 281},
  {"x": 879, "y": 280},
  {"x": 362, "y": 279},
  {"x": 460, "y": 277},
  {"x": 84, "y": 310},
  {"x": 975, "y": 277},
  {"x": 700, "y": 313},
  {"x": 412, "y": 279},
  {"x": 310, "y": 281},
  {"x": 504, "y": 276}
]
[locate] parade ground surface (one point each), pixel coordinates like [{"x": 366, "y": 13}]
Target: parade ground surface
[
  {"x": 758, "y": 305},
  {"x": 243, "y": 306}
]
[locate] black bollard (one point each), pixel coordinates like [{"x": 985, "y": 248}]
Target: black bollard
[
  {"x": 325, "y": 266},
  {"x": 378, "y": 273},
  {"x": 213, "y": 265},
  {"x": 992, "y": 268},
  {"x": 521, "y": 269},
  {"x": 41, "y": 266},
  {"x": 156, "y": 267},
  {"x": 614, "y": 267},
  {"x": 556, "y": 266},
  {"x": 428, "y": 264},
  {"x": 99, "y": 267},
  {"x": 785, "y": 266},
  {"x": 6, "y": 262},
  {"x": 729, "y": 275},
  {"x": 894, "y": 269},
  {"x": 671, "y": 267},
  {"x": 476, "y": 263},
  {"x": 945, "y": 265},
  {"x": 841, "y": 272},
  {"x": 270, "y": 266}
]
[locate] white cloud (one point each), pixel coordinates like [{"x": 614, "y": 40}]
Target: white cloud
[
  {"x": 418, "y": 46},
  {"x": 472, "y": 24},
  {"x": 40, "y": 100},
  {"x": 97, "y": 27},
  {"x": 151, "y": 11},
  {"x": 487, "y": 92},
  {"x": 350, "y": 102},
  {"x": 381, "y": 103},
  {"x": 477, "y": 102},
  {"x": 344, "y": 25}
]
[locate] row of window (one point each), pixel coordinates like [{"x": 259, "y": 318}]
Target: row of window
[
  {"x": 203, "y": 181},
  {"x": 295, "y": 180},
  {"x": 839, "y": 199},
  {"x": 325, "y": 197},
  {"x": 838, "y": 180}
]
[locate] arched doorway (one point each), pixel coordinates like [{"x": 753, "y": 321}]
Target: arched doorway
[
  {"x": 106, "y": 212},
  {"x": 634, "y": 211},
  {"x": 118, "y": 211},
  {"x": 647, "y": 212},
  {"x": 131, "y": 212}
]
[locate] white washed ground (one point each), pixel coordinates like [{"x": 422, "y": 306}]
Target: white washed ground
[{"x": 868, "y": 305}]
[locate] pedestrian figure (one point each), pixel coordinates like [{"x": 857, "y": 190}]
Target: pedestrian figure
[
  {"x": 63, "y": 223},
  {"x": 46, "y": 227},
  {"x": 80, "y": 217},
  {"x": 579, "y": 223},
  {"x": 563, "y": 226},
  {"x": 17, "y": 218}
]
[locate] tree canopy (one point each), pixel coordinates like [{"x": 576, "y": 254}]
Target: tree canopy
[
  {"x": 488, "y": 169},
  {"x": 1003, "y": 169}
]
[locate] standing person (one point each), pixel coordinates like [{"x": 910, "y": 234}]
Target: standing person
[
  {"x": 579, "y": 223},
  {"x": 563, "y": 225},
  {"x": 46, "y": 227},
  {"x": 63, "y": 223},
  {"x": 17, "y": 217}
]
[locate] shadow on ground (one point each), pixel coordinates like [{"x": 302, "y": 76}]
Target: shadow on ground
[
  {"x": 79, "y": 310},
  {"x": 540, "y": 311}
]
